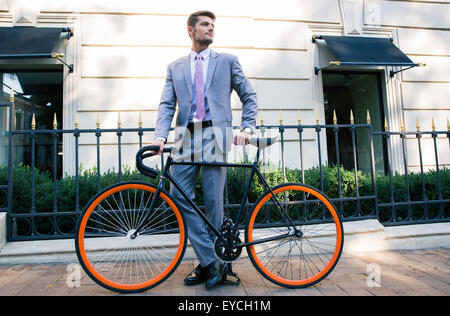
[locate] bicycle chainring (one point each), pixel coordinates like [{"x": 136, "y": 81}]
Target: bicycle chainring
[
  {"x": 223, "y": 252},
  {"x": 222, "y": 245}
]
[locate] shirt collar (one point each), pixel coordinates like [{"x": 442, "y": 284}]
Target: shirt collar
[{"x": 204, "y": 53}]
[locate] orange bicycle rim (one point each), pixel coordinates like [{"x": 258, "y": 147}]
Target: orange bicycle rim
[
  {"x": 136, "y": 286},
  {"x": 336, "y": 252}
]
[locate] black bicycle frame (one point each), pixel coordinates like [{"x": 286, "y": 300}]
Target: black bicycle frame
[{"x": 254, "y": 170}]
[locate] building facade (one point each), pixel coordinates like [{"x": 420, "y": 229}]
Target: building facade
[{"x": 120, "y": 51}]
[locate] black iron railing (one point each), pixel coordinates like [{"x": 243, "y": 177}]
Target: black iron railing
[
  {"x": 362, "y": 202},
  {"x": 427, "y": 204}
]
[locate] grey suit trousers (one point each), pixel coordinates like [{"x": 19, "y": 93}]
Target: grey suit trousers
[{"x": 213, "y": 181}]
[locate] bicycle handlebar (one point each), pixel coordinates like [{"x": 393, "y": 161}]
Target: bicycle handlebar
[
  {"x": 260, "y": 142},
  {"x": 141, "y": 155}
]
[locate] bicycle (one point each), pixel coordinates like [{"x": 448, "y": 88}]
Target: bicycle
[{"x": 126, "y": 235}]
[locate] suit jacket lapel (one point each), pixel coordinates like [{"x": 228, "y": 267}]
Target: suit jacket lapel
[
  {"x": 187, "y": 75},
  {"x": 211, "y": 68}
]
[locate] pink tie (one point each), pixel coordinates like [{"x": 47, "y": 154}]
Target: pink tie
[{"x": 200, "y": 98}]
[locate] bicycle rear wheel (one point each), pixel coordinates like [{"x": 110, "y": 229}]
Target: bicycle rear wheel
[
  {"x": 298, "y": 257},
  {"x": 106, "y": 250}
]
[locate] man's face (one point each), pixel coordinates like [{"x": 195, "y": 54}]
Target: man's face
[{"x": 203, "y": 31}]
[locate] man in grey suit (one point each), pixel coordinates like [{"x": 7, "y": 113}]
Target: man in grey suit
[{"x": 201, "y": 84}]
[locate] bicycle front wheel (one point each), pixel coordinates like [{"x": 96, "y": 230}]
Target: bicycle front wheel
[
  {"x": 105, "y": 247},
  {"x": 298, "y": 236}
]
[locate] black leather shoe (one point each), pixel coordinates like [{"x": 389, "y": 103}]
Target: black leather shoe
[
  {"x": 198, "y": 276},
  {"x": 216, "y": 274}
]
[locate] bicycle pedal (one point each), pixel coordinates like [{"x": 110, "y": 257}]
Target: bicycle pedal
[
  {"x": 227, "y": 281},
  {"x": 229, "y": 273}
]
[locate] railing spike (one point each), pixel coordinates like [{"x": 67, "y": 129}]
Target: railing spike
[
  {"x": 433, "y": 126},
  {"x": 352, "y": 120},
  {"x": 281, "y": 118},
  {"x": 33, "y": 122},
  {"x": 386, "y": 127},
  {"x": 98, "y": 120},
  {"x": 368, "y": 116},
  {"x": 317, "y": 118},
  {"x": 417, "y": 124},
  {"x": 77, "y": 123},
  {"x": 299, "y": 121},
  {"x": 140, "y": 120},
  {"x": 11, "y": 97},
  {"x": 334, "y": 117},
  {"x": 119, "y": 123},
  {"x": 55, "y": 122},
  {"x": 261, "y": 117}
]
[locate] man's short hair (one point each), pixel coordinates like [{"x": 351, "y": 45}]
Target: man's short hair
[{"x": 193, "y": 18}]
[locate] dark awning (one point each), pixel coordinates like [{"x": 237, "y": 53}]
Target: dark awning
[
  {"x": 365, "y": 51},
  {"x": 28, "y": 42}
]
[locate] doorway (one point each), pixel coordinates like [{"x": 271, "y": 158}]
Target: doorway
[
  {"x": 38, "y": 92},
  {"x": 356, "y": 92}
]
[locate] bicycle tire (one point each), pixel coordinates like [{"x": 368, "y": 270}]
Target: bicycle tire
[
  {"x": 104, "y": 247},
  {"x": 295, "y": 261}
]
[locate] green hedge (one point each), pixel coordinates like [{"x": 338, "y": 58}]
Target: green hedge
[
  {"x": 43, "y": 185},
  {"x": 236, "y": 184}
]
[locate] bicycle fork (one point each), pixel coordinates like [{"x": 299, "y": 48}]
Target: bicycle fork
[{"x": 152, "y": 205}]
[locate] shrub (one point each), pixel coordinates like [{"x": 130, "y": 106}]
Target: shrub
[
  {"x": 65, "y": 188},
  {"x": 236, "y": 180}
]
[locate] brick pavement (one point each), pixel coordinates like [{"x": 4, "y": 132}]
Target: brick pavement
[{"x": 392, "y": 273}]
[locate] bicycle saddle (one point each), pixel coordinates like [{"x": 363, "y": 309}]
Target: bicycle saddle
[{"x": 263, "y": 142}]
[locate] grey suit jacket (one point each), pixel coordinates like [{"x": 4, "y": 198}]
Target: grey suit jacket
[{"x": 224, "y": 74}]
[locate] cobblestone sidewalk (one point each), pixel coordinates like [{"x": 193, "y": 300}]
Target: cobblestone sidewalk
[{"x": 393, "y": 273}]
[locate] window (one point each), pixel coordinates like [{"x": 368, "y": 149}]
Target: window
[
  {"x": 359, "y": 92},
  {"x": 39, "y": 92}
]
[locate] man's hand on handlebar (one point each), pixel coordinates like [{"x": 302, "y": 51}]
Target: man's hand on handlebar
[
  {"x": 160, "y": 144},
  {"x": 241, "y": 138}
]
